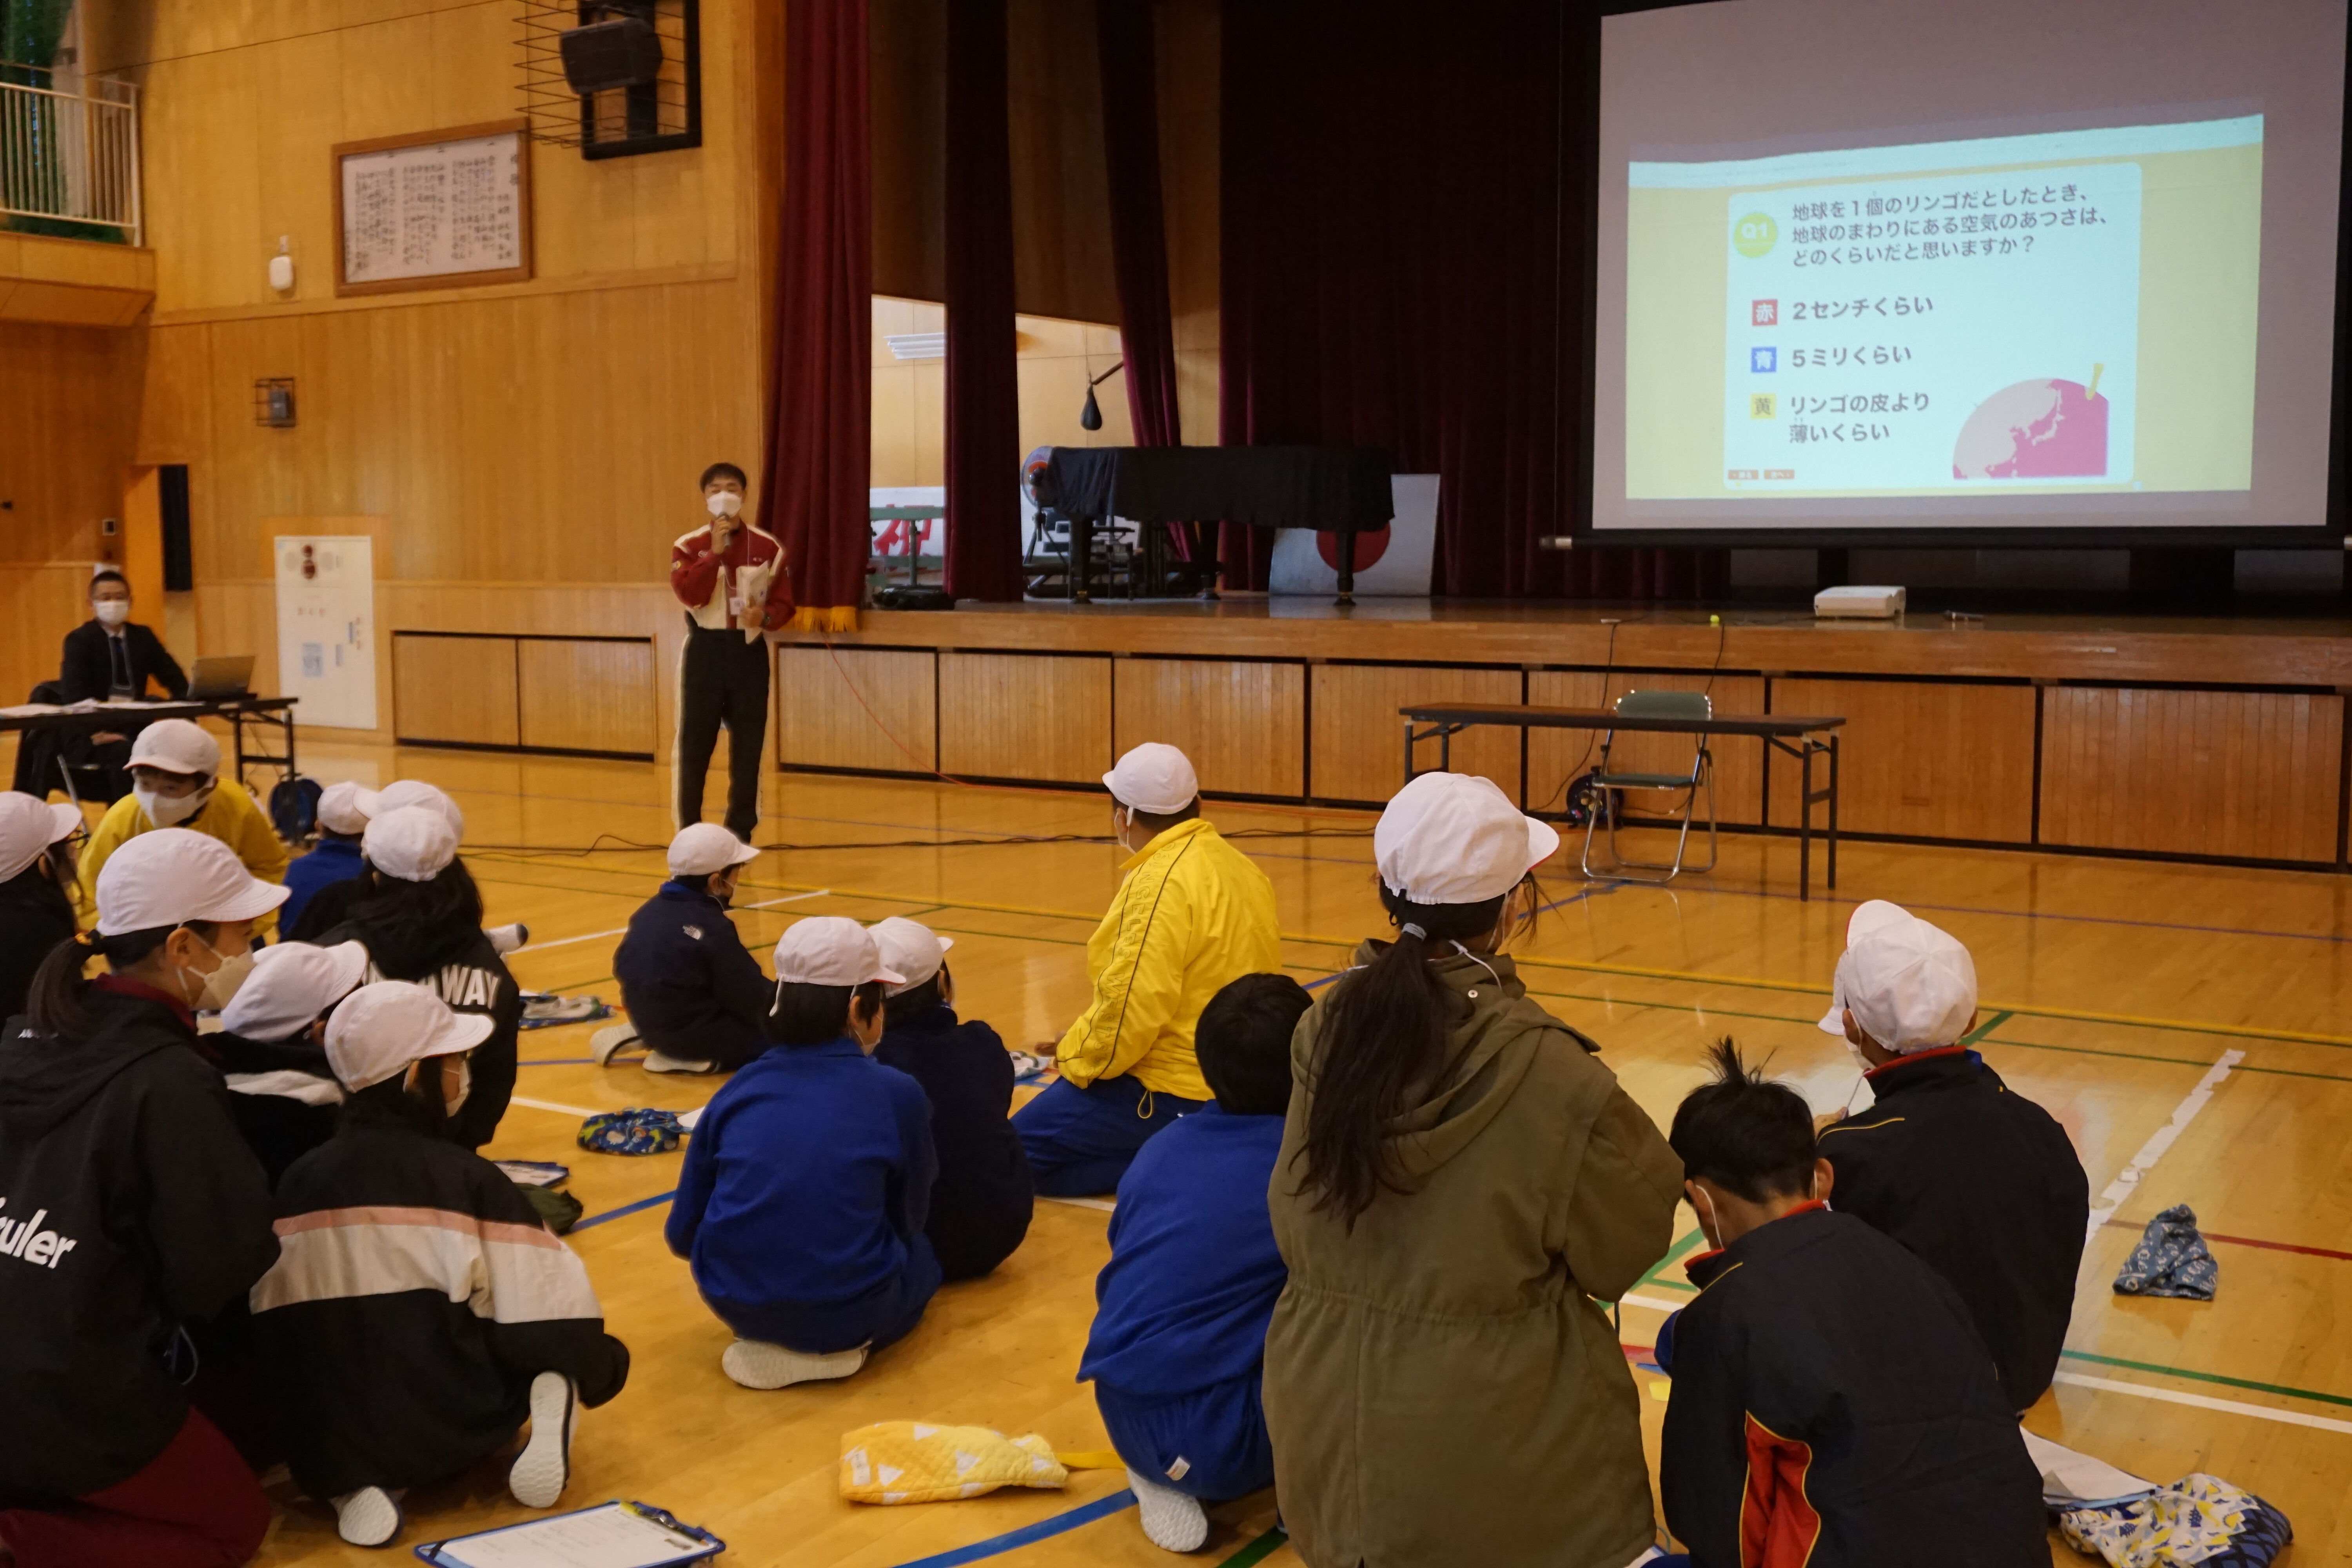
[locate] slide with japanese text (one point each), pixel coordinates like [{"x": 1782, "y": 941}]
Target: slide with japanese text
[{"x": 2065, "y": 312}]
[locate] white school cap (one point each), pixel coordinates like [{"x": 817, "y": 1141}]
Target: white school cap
[
  {"x": 414, "y": 843},
  {"x": 176, "y": 746},
  {"x": 1911, "y": 986},
  {"x": 703, "y": 847},
  {"x": 416, "y": 791},
  {"x": 911, "y": 948},
  {"x": 28, "y": 826},
  {"x": 831, "y": 950},
  {"x": 345, "y": 807},
  {"x": 1155, "y": 778},
  {"x": 379, "y": 1029},
  {"x": 292, "y": 983},
  {"x": 1455, "y": 838},
  {"x": 173, "y": 876}
]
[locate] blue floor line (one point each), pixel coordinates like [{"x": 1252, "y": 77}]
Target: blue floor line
[
  {"x": 624, "y": 1210},
  {"x": 556, "y": 1062},
  {"x": 1044, "y": 1530}
]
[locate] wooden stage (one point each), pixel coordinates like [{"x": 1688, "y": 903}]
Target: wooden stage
[
  {"x": 2111, "y": 991},
  {"x": 2217, "y": 739}
]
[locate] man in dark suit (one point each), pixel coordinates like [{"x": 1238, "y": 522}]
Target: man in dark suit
[{"x": 109, "y": 655}]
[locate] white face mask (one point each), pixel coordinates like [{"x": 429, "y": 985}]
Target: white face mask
[
  {"x": 111, "y": 612},
  {"x": 723, "y": 503},
  {"x": 167, "y": 811},
  {"x": 454, "y": 1098},
  {"x": 223, "y": 983}
]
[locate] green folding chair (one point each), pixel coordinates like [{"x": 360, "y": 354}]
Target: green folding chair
[{"x": 1609, "y": 790}]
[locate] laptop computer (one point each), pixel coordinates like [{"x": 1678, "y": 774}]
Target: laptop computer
[{"x": 218, "y": 680}]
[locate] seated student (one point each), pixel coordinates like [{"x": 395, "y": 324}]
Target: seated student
[
  {"x": 270, "y": 1052},
  {"x": 1832, "y": 1406},
  {"x": 1192, "y": 912},
  {"x": 694, "y": 994},
  {"x": 421, "y": 919},
  {"x": 36, "y": 868},
  {"x": 175, "y": 783},
  {"x": 419, "y": 1311},
  {"x": 343, "y": 812},
  {"x": 806, "y": 1184},
  {"x": 1178, "y": 1347},
  {"x": 981, "y": 1202},
  {"x": 130, "y": 1211},
  {"x": 1975, "y": 1179}
]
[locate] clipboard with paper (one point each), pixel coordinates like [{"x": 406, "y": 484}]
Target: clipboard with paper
[{"x": 610, "y": 1535}]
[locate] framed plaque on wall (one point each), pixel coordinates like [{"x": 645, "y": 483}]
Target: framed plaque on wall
[{"x": 434, "y": 209}]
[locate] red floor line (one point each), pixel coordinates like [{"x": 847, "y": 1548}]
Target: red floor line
[{"x": 2250, "y": 1241}]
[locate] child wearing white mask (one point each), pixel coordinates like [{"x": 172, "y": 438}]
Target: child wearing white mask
[
  {"x": 420, "y": 1312},
  {"x": 131, "y": 1216},
  {"x": 175, "y": 783}
]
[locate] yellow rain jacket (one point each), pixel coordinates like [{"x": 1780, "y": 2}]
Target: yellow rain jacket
[
  {"x": 1192, "y": 914},
  {"x": 231, "y": 816}
]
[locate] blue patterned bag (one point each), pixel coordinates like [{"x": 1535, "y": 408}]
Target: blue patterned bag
[
  {"x": 632, "y": 1133},
  {"x": 2200, "y": 1519},
  {"x": 2172, "y": 1260}
]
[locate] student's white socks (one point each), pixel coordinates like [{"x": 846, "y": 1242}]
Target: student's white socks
[
  {"x": 1171, "y": 1521},
  {"x": 367, "y": 1517},
  {"x": 611, "y": 1040},
  {"x": 506, "y": 939},
  {"x": 662, "y": 1061},
  {"x": 544, "y": 1465},
  {"x": 755, "y": 1364}
]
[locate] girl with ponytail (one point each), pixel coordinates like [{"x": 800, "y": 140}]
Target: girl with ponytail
[{"x": 1462, "y": 1184}]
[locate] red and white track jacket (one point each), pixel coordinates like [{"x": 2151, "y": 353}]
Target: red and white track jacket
[{"x": 714, "y": 588}]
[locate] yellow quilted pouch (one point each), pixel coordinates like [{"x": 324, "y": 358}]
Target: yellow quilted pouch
[{"x": 910, "y": 1461}]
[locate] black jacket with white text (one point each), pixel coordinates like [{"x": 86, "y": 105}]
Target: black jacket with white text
[{"x": 465, "y": 971}]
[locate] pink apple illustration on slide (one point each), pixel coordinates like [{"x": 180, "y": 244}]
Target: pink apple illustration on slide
[{"x": 2036, "y": 430}]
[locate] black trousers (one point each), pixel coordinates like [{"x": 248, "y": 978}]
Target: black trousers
[{"x": 724, "y": 682}]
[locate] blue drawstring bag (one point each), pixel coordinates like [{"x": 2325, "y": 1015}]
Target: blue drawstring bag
[
  {"x": 632, "y": 1133},
  {"x": 2172, "y": 1260}
]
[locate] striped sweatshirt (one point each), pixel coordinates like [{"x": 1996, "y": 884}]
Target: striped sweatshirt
[{"x": 414, "y": 1297}]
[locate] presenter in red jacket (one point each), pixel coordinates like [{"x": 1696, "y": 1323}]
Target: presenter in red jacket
[{"x": 732, "y": 580}]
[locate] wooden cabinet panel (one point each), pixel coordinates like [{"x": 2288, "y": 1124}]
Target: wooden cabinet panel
[
  {"x": 821, "y": 723},
  {"x": 1243, "y": 723},
  {"x": 2248, "y": 774},
  {"x": 1360, "y": 740},
  {"x": 1024, "y": 716},
  {"x": 587, "y": 696},
  {"x": 458, "y": 689},
  {"x": 1555, "y": 757},
  {"x": 1926, "y": 760}
]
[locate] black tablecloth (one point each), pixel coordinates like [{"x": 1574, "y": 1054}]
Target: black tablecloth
[{"x": 1273, "y": 487}]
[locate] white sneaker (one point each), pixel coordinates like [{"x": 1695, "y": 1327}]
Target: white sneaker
[
  {"x": 609, "y": 1042},
  {"x": 545, "y": 1463},
  {"x": 656, "y": 1061},
  {"x": 367, "y": 1517},
  {"x": 755, "y": 1364},
  {"x": 1171, "y": 1521},
  {"x": 506, "y": 939}
]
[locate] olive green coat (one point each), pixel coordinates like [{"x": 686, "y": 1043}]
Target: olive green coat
[{"x": 1442, "y": 1386}]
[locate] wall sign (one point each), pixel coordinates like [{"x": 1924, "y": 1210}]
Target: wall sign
[
  {"x": 433, "y": 210},
  {"x": 326, "y": 627}
]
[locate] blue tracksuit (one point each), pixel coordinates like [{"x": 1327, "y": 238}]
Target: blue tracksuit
[
  {"x": 1179, "y": 1338},
  {"x": 690, "y": 987},
  {"x": 801, "y": 1201},
  {"x": 330, "y": 861}
]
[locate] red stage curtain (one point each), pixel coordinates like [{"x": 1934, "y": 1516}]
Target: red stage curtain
[
  {"x": 819, "y": 447},
  {"x": 1405, "y": 255},
  {"x": 1138, "y": 239},
  {"x": 983, "y": 392}
]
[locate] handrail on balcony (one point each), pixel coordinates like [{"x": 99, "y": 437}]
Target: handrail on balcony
[{"x": 72, "y": 157}]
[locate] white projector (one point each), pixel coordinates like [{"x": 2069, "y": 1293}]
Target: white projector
[{"x": 1864, "y": 603}]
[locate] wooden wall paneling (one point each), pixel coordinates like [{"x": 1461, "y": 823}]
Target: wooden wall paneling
[
  {"x": 241, "y": 616},
  {"x": 1025, "y": 716},
  {"x": 820, "y": 722},
  {"x": 1922, "y": 759},
  {"x": 39, "y": 604},
  {"x": 455, "y": 689},
  {"x": 2240, "y": 773},
  {"x": 1359, "y": 740},
  {"x": 583, "y": 695},
  {"x": 1556, "y": 757},
  {"x": 1243, "y": 723}
]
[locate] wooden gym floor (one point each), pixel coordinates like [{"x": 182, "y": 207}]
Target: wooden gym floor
[{"x": 2112, "y": 991}]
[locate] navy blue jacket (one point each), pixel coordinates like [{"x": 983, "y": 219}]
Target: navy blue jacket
[
  {"x": 692, "y": 988},
  {"x": 805, "y": 1180},
  {"x": 330, "y": 861},
  {"x": 1194, "y": 1274},
  {"x": 981, "y": 1204}
]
